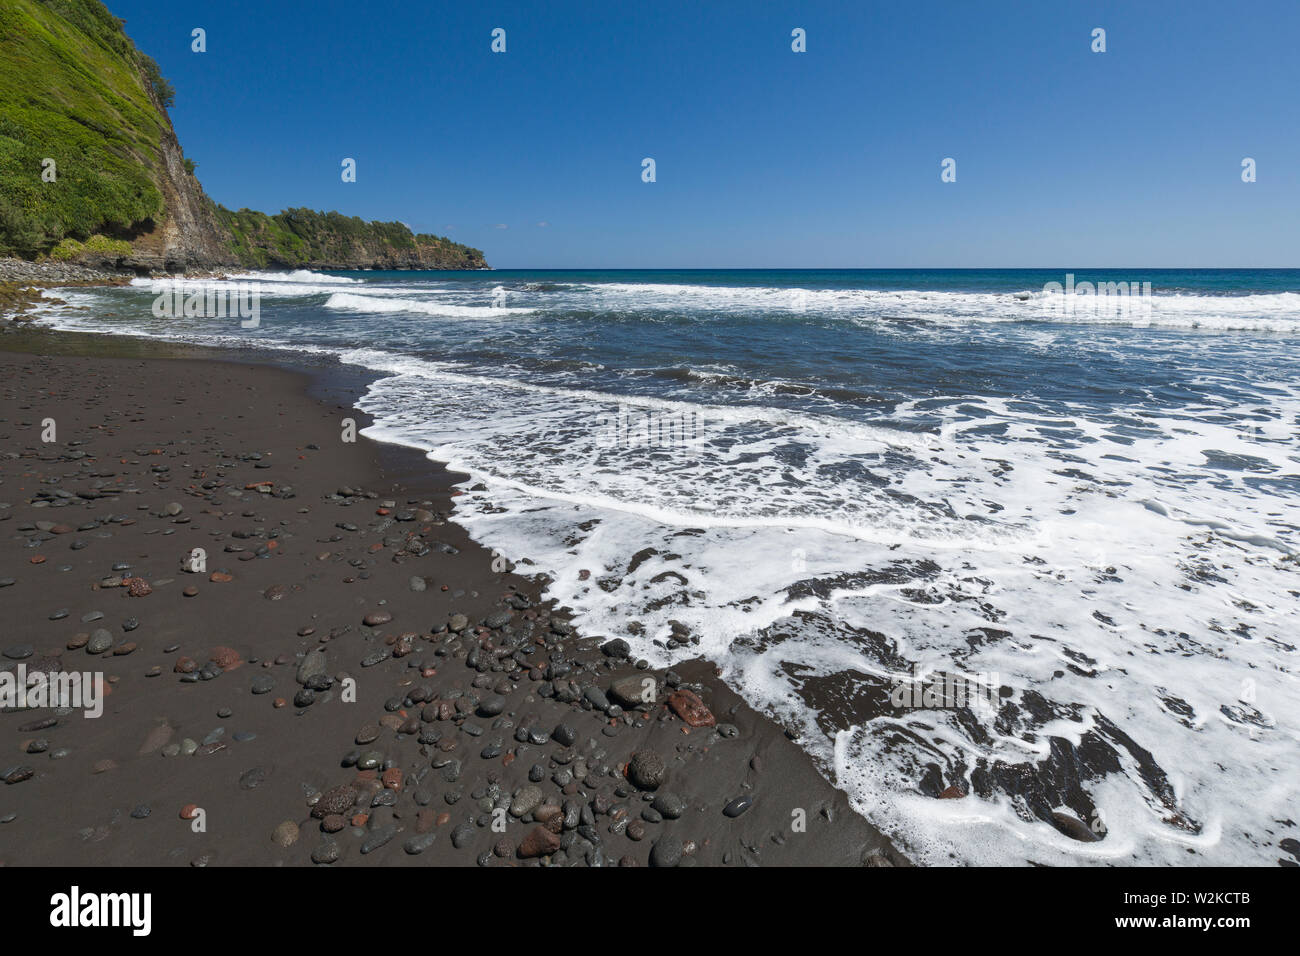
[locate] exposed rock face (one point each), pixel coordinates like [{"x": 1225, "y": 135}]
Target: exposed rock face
[{"x": 189, "y": 235}]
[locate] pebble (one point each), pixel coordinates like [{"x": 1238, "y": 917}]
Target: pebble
[
  {"x": 667, "y": 851},
  {"x": 462, "y": 835},
  {"x": 646, "y": 770},
  {"x": 286, "y": 834},
  {"x": 325, "y": 852},
  {"x": 378, "y": 838},
  {"x": 669, "y": 804},
  {"x": 252, "y": 779},
  {"x": 539, "y": 842},
  {"x": 526, "y": 799},
  {"x": 418, "y": 844},
  {"x": 262, "y": 684},
  {"x": 738, "y": 806},
  {"x": 100, "y": 641}
]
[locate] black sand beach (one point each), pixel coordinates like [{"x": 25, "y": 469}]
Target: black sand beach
[{"x": 349, "y": 680}]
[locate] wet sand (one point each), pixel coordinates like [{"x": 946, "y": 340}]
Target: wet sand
[{"x": 349, "y": 679}]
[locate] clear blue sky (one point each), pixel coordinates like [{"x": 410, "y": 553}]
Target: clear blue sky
[{"x": 765, "y": 157}]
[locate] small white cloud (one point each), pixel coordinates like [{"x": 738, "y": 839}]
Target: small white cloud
[
  {"x": 543, "y": 224},
  {"x": 501, "y": 225}
]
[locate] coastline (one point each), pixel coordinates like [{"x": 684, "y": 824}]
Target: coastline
[{"x": 475, "y": 701}]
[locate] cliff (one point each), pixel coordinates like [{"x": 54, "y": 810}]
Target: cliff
[
  {"x": 298, "y": 238},
  {"x": 91, "y": 170}
]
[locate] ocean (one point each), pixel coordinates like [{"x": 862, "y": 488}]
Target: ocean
[{"x": 1014, "y": 559}]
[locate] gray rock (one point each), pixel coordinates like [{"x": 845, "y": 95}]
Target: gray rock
[
  {"x": 100, "y": 641},
  {"x": 313, "y": 665},
  {"x": 326, "y": 852},
  {"x": 378, "y": 837},
  {"x": 669, "y": 804},
  {"x": 526, "y": 800},
  {"x": 646, "y": 770},
  {"x": 418, "y": 844},
  {"x": 738, "y": 806},
  {"x": 667, "y": 851},
  {"x": 633, "y": 691}
]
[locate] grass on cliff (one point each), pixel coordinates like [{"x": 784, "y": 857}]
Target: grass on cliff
[
  {"x": 71, "y": 90},
  {"x": 300, "y": 237}
]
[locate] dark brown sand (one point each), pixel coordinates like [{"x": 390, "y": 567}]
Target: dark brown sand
[{"x": 464, "y": 717}]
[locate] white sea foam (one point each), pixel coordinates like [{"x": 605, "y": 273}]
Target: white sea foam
[
  {"x": 1272, "y": 312},
  {"x": 1023, "y": 527},
  {"x": 299, "y": 276},
  {"x": 345, "y": 301}
]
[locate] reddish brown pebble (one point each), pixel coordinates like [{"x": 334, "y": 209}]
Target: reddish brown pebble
[
  {"x": 185, "y": 665},
  {"x": 227, "y": 658},
  {"x": 189, "y": 811},
  {"x": 220, "y": 577},
  {"x": 686, "y": 705},
  {"x": 952, "y": 793},
  {"x": 539, "y": 842},
  {"x": 392, "y": 779},
  {"x": 333, "y": 823},
  {"x": 137, "y": 587},
  {"x": 190, "y": 591}
]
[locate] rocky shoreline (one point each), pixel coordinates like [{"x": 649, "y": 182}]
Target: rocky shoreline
[
  {"x": 346, "y": 678},
  {"x": 50, "y": 274}
]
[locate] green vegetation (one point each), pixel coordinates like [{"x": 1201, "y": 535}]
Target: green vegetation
[
  {"x": 84, "y": 148},
  {"x": 72, "y": 91},
  {"x": 301, "y": 237},
  {"x": 70, "y": 248}
]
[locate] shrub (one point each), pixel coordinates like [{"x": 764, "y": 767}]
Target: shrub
[{"x": 67, "y": 249}]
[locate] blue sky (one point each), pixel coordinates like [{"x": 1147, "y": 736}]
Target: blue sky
[{"x": 764, "y": 157}]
